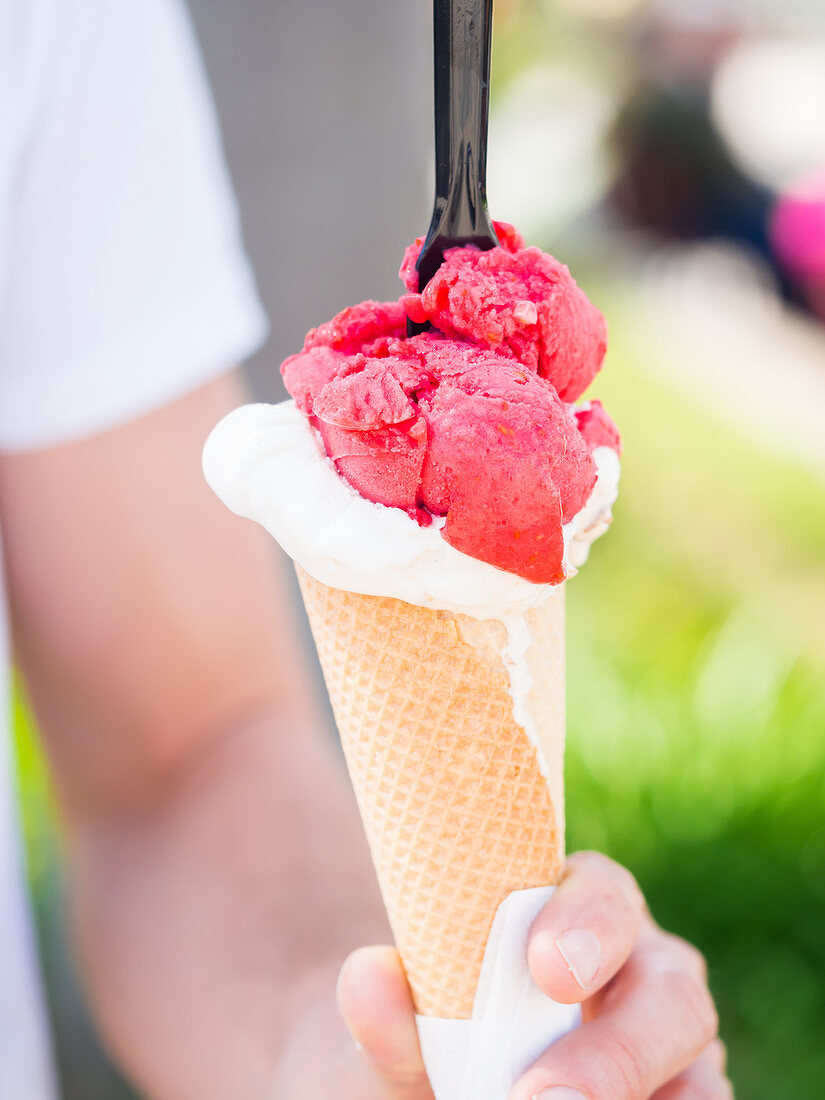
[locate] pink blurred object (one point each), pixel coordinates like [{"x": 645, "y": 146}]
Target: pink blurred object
[{"x": 797, "y": 228}]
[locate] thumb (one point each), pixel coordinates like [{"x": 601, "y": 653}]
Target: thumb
[{"x": 375, "y": 1001}]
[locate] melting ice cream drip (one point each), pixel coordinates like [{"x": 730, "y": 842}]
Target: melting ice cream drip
[{"x": 514, "y": 656}]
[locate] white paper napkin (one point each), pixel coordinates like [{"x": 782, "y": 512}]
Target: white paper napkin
[{"x": 513, "y": 1022}]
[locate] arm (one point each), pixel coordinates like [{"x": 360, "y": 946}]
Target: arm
[{"x": 215, "y": 857}]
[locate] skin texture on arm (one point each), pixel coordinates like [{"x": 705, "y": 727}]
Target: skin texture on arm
[{"x": 216, "y": 862}]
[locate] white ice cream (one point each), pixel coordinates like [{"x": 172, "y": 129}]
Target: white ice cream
[
  {"x": 520, "y": 683},
  {"x": 265, "y": 463}
]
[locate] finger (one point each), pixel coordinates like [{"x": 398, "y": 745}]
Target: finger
[
  {"x": 586, "y": 932},
  {"x": 717, "y": 1055},
  {"x": 655, "y": 950},
  {"x": 656, "y": 1018},
  {"x": 704, "y": 1080},
  {"x": 374, "y": 999}
]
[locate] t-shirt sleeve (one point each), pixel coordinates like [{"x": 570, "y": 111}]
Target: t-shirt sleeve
[{"x": 125, "y": 282}]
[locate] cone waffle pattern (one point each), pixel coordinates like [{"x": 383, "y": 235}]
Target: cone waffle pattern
[{"x": 456, "y": 810}]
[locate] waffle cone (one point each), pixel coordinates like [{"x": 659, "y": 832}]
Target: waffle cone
[{"x": 456, "y": 809}]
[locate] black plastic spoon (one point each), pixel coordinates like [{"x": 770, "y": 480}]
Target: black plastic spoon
[{"x": 463, "y": 31}]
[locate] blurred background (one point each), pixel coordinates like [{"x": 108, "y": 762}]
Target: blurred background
[{"x": 673, "y": 153}]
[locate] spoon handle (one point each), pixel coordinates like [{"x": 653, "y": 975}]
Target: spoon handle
[{"x": 463, "y": 37}]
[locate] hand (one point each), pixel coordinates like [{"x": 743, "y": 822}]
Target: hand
[{"x": 649, "y": 1030}]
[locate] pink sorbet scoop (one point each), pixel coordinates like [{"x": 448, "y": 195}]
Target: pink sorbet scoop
[{"x": 470, "y": 421}]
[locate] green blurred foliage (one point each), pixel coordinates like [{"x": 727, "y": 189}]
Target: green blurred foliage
[
  {"x": 37, "y": 811},
  {"x": 535, "y": 32},
  {"x": 697, "y": 717}
]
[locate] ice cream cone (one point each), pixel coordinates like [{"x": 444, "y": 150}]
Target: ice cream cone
[{"x": 459, "y": 805}]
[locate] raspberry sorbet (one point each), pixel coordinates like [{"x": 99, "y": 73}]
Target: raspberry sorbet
[{"x": 471, "y": 420}]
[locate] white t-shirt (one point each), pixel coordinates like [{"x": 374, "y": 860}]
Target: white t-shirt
[{"x": 123, "y": 284}]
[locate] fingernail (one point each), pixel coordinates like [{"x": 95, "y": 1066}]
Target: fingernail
[
  {"x": 560, "y": 1092},
  {"x": 582, "y": 952}
]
